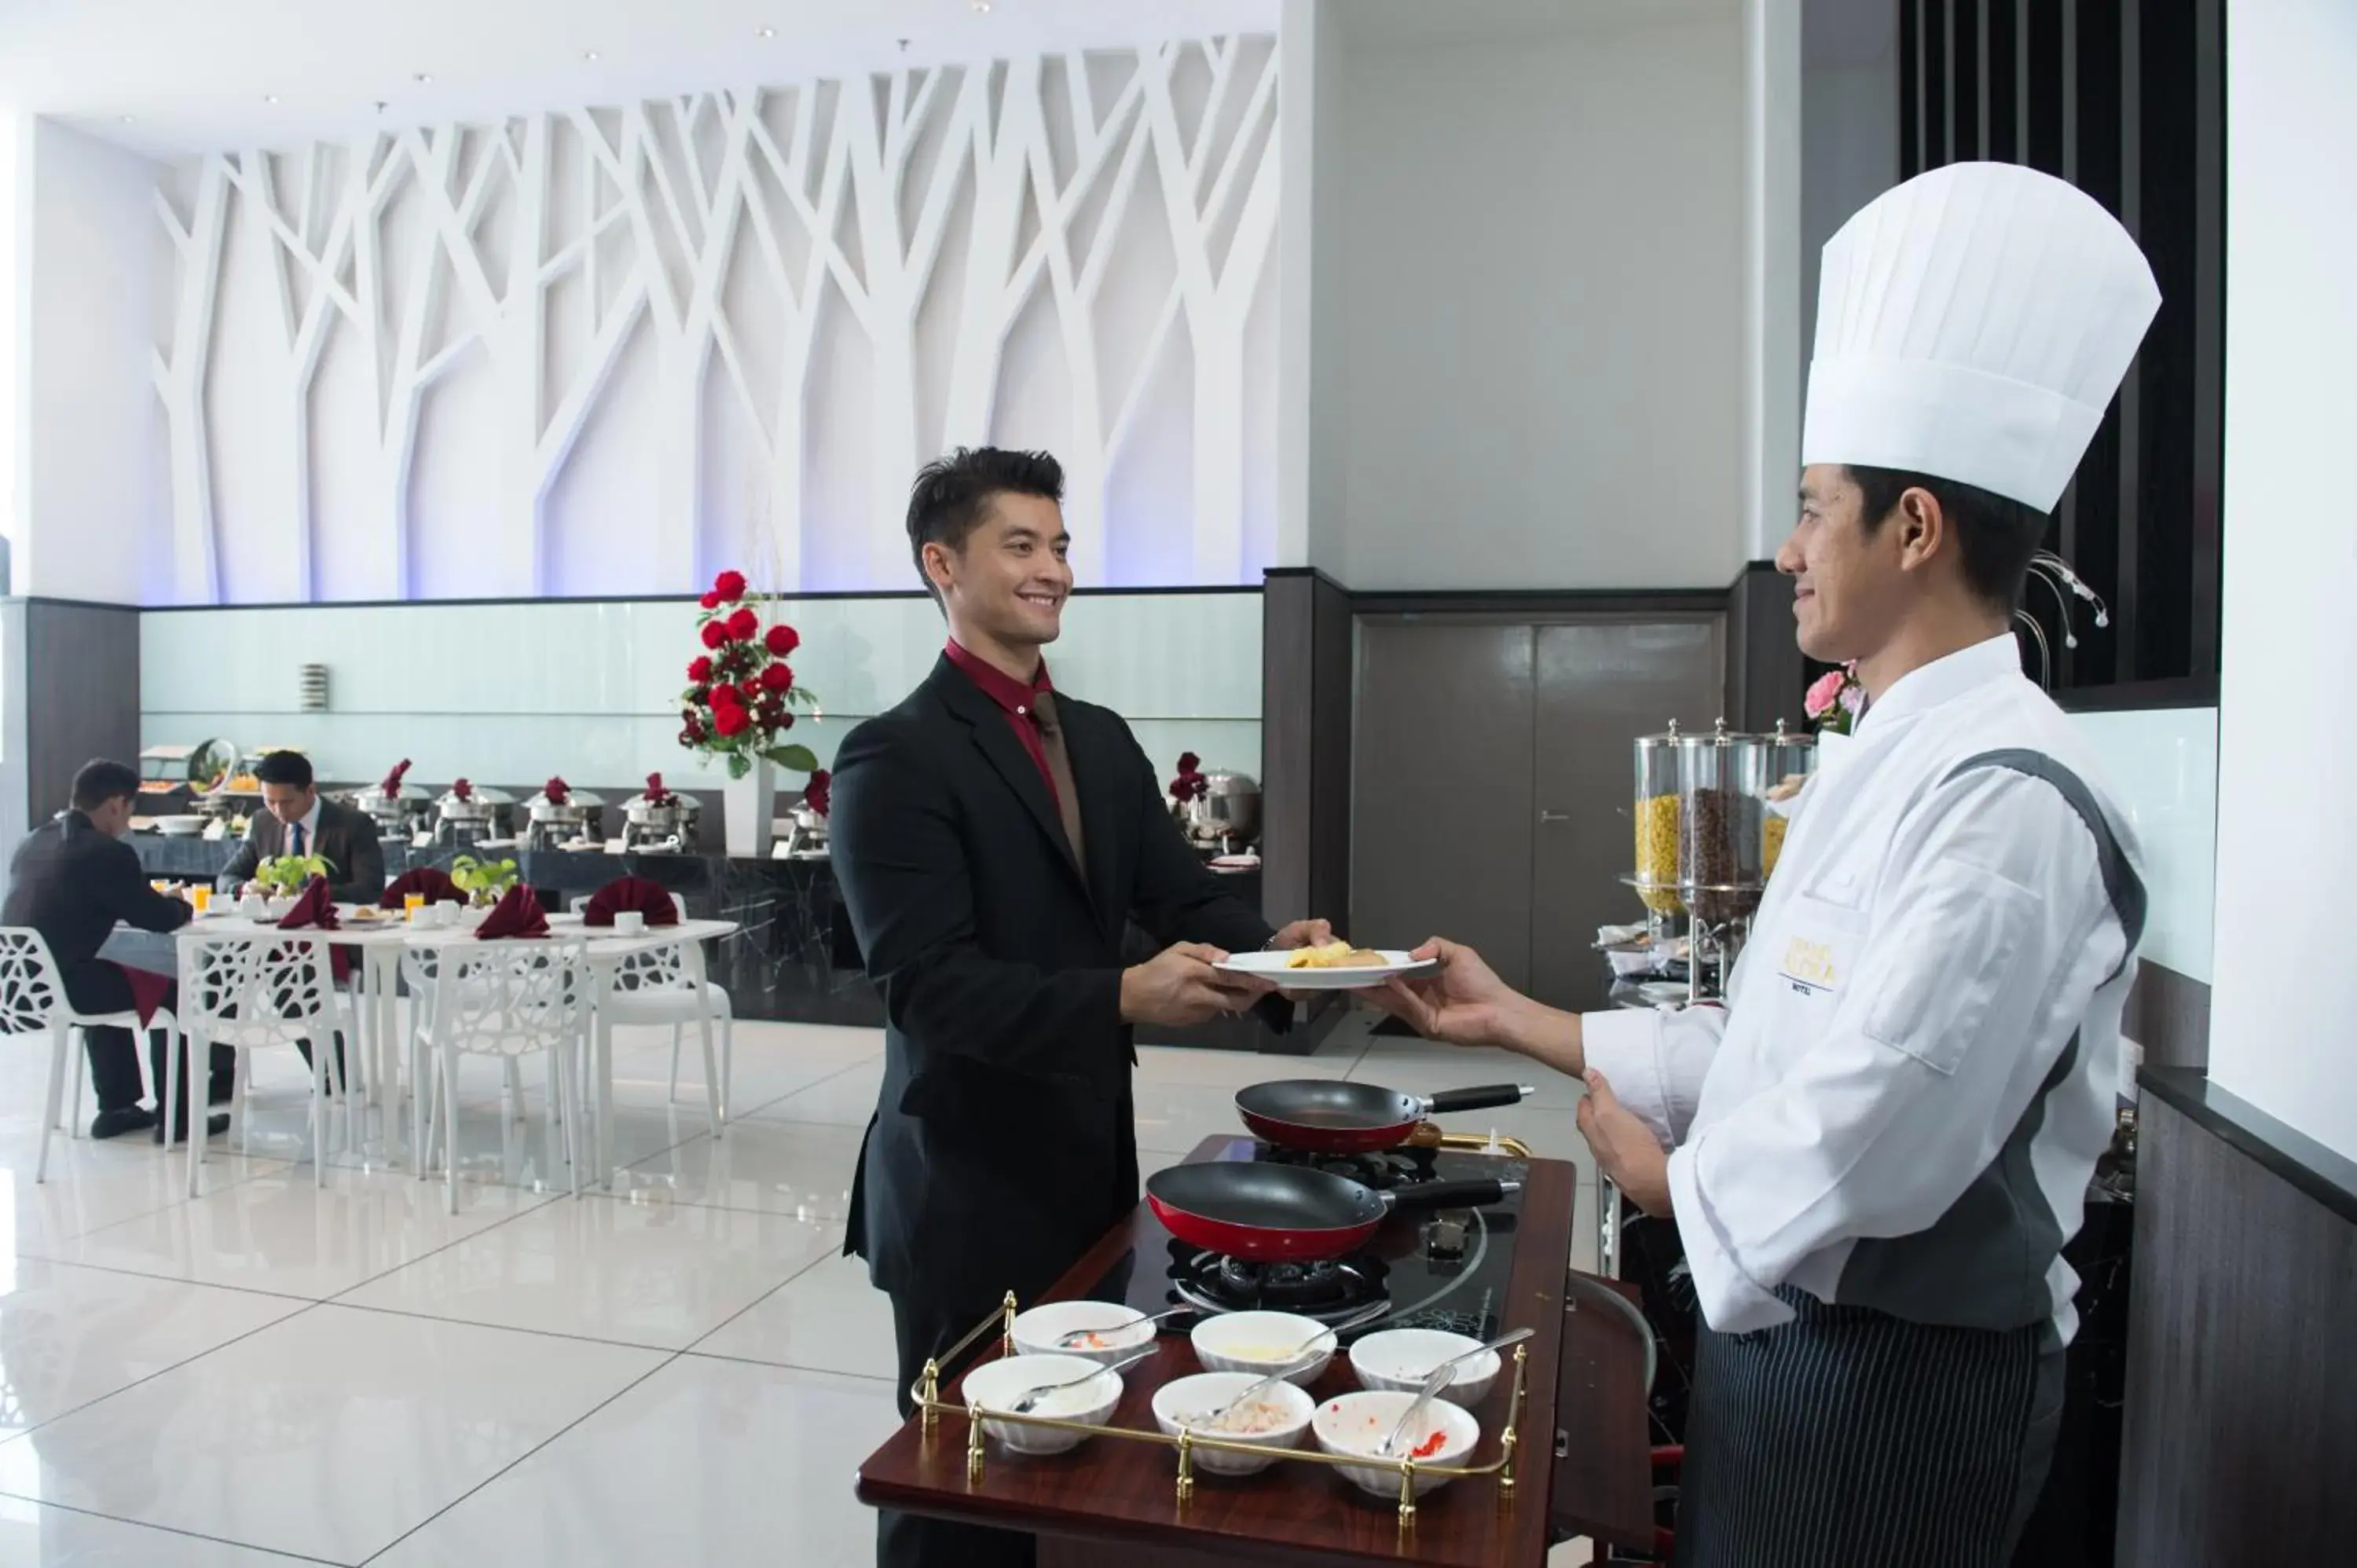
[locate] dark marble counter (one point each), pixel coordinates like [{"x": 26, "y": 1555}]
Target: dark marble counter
[{"x": 793, "y": 957}]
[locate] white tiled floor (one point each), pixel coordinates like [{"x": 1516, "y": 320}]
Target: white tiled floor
[{"x": 682, "y": 1369}]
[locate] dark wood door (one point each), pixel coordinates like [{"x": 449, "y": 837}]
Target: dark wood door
[
  {"x": 1441, "y": 823},
  {"x": 1601, "y": 684}
]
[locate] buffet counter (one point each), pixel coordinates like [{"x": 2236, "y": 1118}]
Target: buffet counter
[{"x": 791, "y": 958}]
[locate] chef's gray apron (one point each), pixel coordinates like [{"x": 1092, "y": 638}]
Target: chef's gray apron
[{"x": 1910, "y": 1423}]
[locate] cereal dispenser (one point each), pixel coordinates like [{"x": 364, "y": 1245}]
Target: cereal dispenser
[
  {"x": 1784, "y": 765},
  {"x": 1656, "y": 815}
]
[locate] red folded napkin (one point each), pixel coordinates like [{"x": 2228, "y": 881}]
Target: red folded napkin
[
  {"x": 313, "y": 907},
  {"x": 648, "y": 897},
  {"x": 148, "y": 990},
  {"x": 517, "y": 914},
  {"x": 432, "y": 881}
]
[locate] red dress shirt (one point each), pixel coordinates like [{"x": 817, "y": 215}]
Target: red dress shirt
[{"x": 1014, "y": 697}]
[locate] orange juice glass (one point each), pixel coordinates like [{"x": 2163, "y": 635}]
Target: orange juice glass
[
  {"x": 201, "y": 898},
  {"x": 411, "y": 902}
]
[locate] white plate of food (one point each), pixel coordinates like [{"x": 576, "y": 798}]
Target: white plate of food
[{"x": 1337, "y": 966}]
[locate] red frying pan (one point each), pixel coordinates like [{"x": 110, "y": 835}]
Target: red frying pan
[
  {"x": 1291, "y": 1213},
  {"x": 1329, "y": 1116}
]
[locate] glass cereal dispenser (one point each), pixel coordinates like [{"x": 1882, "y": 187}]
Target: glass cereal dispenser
[
  {"x": 1784, "y": 764},
  {"x": 1720, "y": 837},
  {"x": 1656, "y": 814}
]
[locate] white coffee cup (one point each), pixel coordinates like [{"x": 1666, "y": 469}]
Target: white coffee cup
[{"x": 630, "y": 922}]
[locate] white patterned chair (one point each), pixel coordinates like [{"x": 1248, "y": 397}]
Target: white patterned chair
[
  {"x": 249, "y": 992},
  {"x": 666, "y": 985},
  {"x": 505, "y": 999},
  {"x": 33, "y": 1002}
]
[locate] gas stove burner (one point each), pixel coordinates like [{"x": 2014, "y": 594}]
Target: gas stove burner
[
  {"x": 1381, "y": 1171},
  {"x": 1323, "y": 1290}
]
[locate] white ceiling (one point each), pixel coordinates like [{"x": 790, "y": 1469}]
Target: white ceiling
[{"x": 196, "y": 75}]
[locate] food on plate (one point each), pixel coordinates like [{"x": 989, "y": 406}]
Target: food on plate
[
  {"x": 368, "y": 914},
  {"x": 1334, "y": 955}
]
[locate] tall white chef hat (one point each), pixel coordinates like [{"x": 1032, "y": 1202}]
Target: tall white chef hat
[{"x": 1972, "y": 325}]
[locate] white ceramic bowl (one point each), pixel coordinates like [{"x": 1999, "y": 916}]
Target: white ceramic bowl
[
  {"x": 1403, "y": 1358},
  {"x": 994, "y": 1385},
  {"x": 1207, "y": 1392},
  {"x": 1038, "y": 1330},
  {"x": 1257, "y": 1341},
  {"x": 180, "y": 827},
  {"x": 1357, "y": 1424}
]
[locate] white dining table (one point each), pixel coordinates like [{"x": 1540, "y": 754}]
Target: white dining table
[{"x": 382, "y": 941}]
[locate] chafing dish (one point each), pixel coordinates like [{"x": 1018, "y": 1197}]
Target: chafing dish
[
  {"x": 1226, "y": 814},
  {"x": 661, "y": 819},
  {"x": 472, "y": 814},
  {"x": 401, "y": 810},
  {"x": 806, "y": 834},
  {"x": 560, "y": 814},
  {"x": 175, "y": 779}
]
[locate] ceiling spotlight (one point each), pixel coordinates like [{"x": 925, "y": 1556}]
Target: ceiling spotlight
[
  {"x": 423, "y": 79},
  {"x": 982, "y": 7},
  {"x": 270, "y": 98},
  {"x": 765, "y": 32},
  {"x": 127, "y": 119},
  {"x": 589, "y": 54}
]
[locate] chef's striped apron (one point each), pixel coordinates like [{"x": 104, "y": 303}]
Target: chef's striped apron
[{"x": 1910, "y": 1423}]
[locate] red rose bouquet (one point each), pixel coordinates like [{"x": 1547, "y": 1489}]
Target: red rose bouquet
[{"x": 741, "y": 696}]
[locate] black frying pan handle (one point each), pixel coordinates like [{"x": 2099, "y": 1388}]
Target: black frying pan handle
[
  {"x": 1469, "y": 1194},
  {"x": 1479, "y": 1099}
]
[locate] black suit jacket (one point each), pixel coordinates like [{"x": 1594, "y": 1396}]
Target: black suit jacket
[
  {"x": 1004, "y": 1143},
  {"x": 347, "y": 837},
  {"x": 72, "y": 883}
]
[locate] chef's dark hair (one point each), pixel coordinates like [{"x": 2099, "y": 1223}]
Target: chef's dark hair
[
  {"x": 1996, "y": 535},
  {"x": 101, "y": 780},
  {"x": 953, "y": 495},
  {"x": 291, "y": 769}
]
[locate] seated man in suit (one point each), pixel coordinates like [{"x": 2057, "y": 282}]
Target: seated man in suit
[
  {"x": 995, "y": 836},
  {"x": 73, "y": 879},
  {"x": 298, "y": 820}
]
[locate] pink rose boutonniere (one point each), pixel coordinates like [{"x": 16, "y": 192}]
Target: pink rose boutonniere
[{"x": 1836, "y": 699}]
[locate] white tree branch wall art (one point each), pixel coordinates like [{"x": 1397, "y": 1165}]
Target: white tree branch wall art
[{"x": 607, "y": 350}]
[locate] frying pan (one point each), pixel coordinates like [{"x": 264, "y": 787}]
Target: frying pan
[
  {"x": 1331, "y": 1117},
  {"x": 1290, "y": 1213}
]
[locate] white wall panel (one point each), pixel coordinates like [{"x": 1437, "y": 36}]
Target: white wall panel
[{"x": 607, "y": 351}]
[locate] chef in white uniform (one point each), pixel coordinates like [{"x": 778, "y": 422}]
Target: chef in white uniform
[{"x": 1875, "y": 1151}]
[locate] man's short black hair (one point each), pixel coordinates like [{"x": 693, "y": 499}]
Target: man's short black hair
[
  {"x": 1996, "y": 535},
  {"x": 291, "y": 769},
  {"x": 953, "y": 495},
  {"x": 101, "y": 780}
]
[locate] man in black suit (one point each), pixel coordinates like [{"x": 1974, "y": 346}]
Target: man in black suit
[
  {"x": 73, "y": 879},
  {"x": 994, "y": 838},
  {"x": 298, "y": 820}
]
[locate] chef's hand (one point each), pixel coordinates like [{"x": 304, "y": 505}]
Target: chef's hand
[
  {"x": 1463, "y": 1003},
  {"x": 1626, "y": 1151},
  {"x": 1178, "y": 986},
  {"x": 1302, "y": 934}
]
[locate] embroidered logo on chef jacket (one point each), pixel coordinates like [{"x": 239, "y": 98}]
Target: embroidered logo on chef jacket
[{"x": 1809, "y": 967}]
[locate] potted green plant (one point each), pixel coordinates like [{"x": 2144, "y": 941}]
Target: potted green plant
[
  {"x": 283, "y": 876},
  {"x": 483, "y": 881}
]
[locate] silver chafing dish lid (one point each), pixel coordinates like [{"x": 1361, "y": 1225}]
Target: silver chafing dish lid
[
  {"x": 575, "y": 801},
  {"x": 374, "y": 795},
  {"x": 483, "y": 798}
]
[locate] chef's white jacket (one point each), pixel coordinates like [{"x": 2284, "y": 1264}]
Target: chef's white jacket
[{"x": 1903, "y": 1098}]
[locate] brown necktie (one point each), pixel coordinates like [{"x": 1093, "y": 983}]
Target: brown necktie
[{"x": 1059, "y": 769}]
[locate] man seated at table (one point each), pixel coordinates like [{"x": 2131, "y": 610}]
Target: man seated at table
[
  {"x": 73, "y": 879},
  {"x": 298, "y": 820}
]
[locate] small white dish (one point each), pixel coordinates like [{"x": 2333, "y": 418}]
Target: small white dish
[
  {"x": 1256, "y": 1342},
  {"x": 994, "y": 1385},
  {"x": 1038, "y": 1330},
  {"x": 1358, "y": 1424},
  {"x": 1209, "y": 1391},
  {"x": 1400, "y": 1358},
  {"x": 1271, "y": 967}
]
